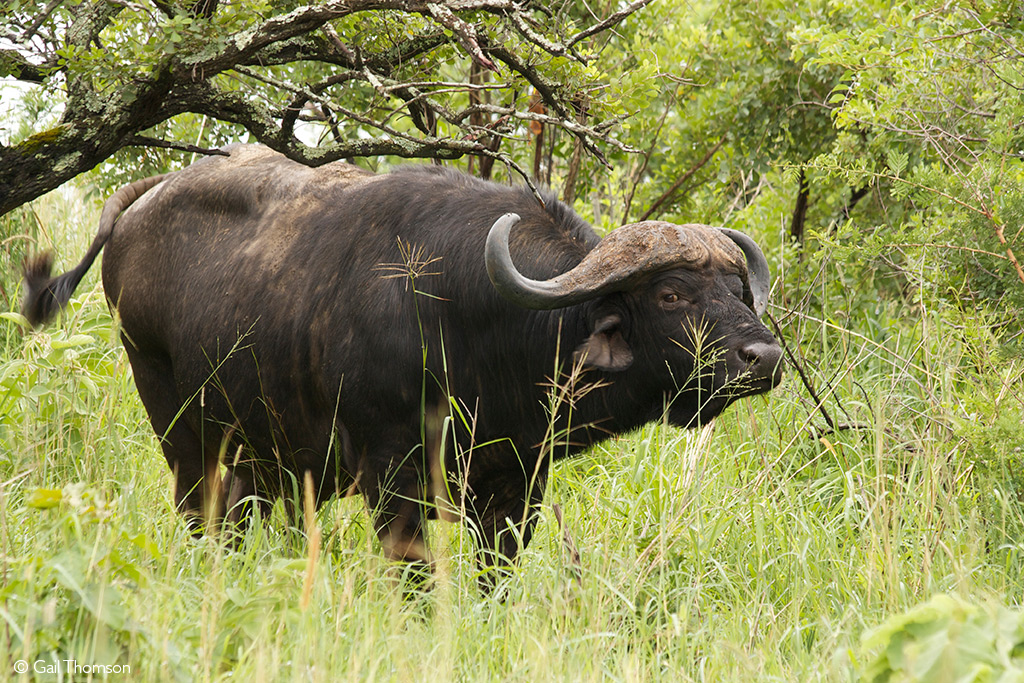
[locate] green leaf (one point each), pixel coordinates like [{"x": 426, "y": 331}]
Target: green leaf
[
  {"x": 73, "y": 340},
  {"x": 897, "y": 161},
  {"x": 16, "y": 318},
  {"x": 44, "y": 499}
]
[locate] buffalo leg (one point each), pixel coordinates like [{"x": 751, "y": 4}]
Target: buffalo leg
[
  {"x": 197, "y": 493},
  {"x": 399, "y": 518},
  {"x": 240, "y": 498},
  {"x": 504, "y": 519}
]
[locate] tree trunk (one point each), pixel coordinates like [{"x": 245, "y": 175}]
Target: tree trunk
[
  {"x": 89, "y": 132},
  {"x": 46, "y": 161},
  {"x": 856, "y": 194},
  {"x": 796, "y": 225}
]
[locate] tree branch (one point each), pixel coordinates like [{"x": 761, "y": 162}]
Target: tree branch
[
  {"x": 682, "y": 179},
  {"x": 90, "y": 19},
  {"x": 465, "y": 33},
  {"x": 145, "y": 141},
  {"x": 40, "y": 19},
  {"x": 137, "y": 96},
  {"x": 608, "y": 23},
  {"x": 575, "y": 128},
  {"x": 548, "y": 91},
  {"x": 306, "y": 19},
  {"x": 15, "y": 64}
]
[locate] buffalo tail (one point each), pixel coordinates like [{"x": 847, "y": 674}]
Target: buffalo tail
[{"x": 44, "y": 294}]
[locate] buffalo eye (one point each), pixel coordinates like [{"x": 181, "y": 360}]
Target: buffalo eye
[{"x": 670, "y": 298}]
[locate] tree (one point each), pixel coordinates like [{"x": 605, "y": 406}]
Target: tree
[
  {"x": 382, "y": 77},
  {"x": 893, "y": 131},
  {"x": 726, "y": 103},
  {"x": 929, "y": 110}
]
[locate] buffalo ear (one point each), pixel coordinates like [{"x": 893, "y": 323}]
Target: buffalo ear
[{"x": 606, "y": 349}]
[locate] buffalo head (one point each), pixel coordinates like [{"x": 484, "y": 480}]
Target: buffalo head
[{"x": 672, "y": 311}]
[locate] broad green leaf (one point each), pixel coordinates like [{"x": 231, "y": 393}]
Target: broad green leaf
[
  {"x": 44, "y": 499},
  {"x": 16, "y": 318},
  {"x": 72, "y": 341}
]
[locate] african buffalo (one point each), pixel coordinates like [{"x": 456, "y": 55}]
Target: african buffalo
[{"x": 419, "y": 336}]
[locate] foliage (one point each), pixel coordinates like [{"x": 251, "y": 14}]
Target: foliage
[
  {"x": 947, "y": 155},
  {"x": 319, "y": 82},
  {"x": 895, "y": 129},
  {"x": 947, "y": 639}
]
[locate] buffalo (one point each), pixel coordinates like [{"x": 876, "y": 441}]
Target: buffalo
[{"x": 425, "y": 338}]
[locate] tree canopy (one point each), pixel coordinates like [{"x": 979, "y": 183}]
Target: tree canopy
[{"x": 407, "y": 78}]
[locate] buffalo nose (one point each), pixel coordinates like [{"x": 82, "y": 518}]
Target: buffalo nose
[{"x": 763, "y": 360}]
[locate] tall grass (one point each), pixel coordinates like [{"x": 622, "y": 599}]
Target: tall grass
[{"x": 768, "y": 546}]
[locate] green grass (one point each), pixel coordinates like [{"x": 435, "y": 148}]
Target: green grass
[{"x": 762, "y": 548}]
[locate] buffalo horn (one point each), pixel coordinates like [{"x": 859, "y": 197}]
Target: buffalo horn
[
  {"x": 757, "y": 267},
  {"x": 621, "y": 258}
]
